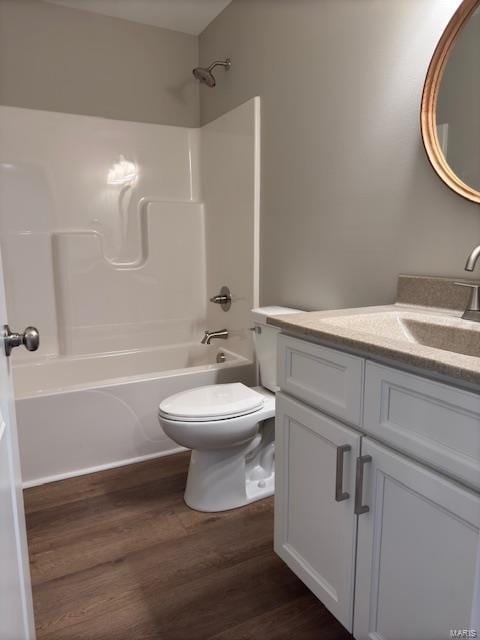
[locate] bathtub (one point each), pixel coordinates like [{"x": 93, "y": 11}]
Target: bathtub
[{"x": 82, "y": 414}]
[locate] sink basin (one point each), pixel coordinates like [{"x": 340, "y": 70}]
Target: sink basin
[{"x": 438, "y": 331}]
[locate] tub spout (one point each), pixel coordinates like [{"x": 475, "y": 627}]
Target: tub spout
[{"x": 222, "y": 334}]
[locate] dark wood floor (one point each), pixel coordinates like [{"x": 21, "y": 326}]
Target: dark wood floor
[{"x": 117, "y": 555}]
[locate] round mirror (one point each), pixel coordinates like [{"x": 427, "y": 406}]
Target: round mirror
[{"x": 450, "y": 114}]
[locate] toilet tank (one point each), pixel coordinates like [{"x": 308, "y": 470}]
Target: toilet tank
[{"x": 266, "y": 343}]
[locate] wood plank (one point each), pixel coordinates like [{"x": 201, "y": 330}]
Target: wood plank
[
  {"x": 104, "y": 482},
  {"x": 118, "y": 555},
  {"x": 300, "y": 618}
]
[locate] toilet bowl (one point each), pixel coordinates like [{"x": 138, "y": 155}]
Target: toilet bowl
[
  {"x": 226, "y": 466},
  {"x": 230, "y": 430}
]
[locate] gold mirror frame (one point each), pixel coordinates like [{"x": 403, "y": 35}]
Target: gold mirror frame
[{"x": 428, "y": 115}]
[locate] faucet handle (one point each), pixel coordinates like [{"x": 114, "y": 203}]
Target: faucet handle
[
  {"x": 474, "y": 304},
  {"x": 468, "y": 284},
  {"x": 224, "y": 298}
]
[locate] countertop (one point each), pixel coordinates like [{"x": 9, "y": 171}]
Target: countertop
[{"x": 439, "y": 293}]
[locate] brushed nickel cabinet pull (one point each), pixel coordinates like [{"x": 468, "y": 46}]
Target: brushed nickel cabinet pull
[
  {"x": 340, "y": 494},
  {"x": 359, "y": 507}
]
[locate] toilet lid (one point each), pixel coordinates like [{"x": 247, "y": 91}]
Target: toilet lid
[{"x": 212, "y": 402}]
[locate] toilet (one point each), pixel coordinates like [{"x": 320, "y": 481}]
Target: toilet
[{"x": 230, "y": 430}]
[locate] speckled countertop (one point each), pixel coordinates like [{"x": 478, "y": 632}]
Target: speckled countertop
[{"x": 391, "y": 333}]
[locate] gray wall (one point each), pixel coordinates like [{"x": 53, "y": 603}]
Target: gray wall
[
  {"x": 349, "y": 199},
  {"x": 61, "y": 59}
]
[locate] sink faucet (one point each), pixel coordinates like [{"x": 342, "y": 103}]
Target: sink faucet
[
  {"x": 472, "y": 312},
  {"x": 221, "y": 334},
  {"x": 472, "y": 259}
]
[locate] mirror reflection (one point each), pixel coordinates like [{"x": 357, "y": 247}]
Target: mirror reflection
[{"x": 458, "y": 104}]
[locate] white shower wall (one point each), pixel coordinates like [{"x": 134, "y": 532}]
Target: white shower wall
[
  {"x": 68, "y": 236},
  {"x": 102, "y": 267},
  {"x": 230, "y": 166}
]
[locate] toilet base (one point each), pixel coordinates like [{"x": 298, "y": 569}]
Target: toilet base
[{"x": 232, "y": 478}]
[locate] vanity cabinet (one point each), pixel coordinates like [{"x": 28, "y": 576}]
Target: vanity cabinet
[
  {"x": 385, "y": 541},
  {"x": 315, "y": 526}
]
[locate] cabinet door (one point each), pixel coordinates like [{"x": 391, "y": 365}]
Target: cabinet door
[
  {"x": 315, "y": 526},
  {"x": 416, "y": 551}
]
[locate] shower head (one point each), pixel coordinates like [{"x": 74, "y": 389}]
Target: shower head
[{"x": 206, "y": 76}]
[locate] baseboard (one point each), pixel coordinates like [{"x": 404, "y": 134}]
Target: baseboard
[{"x": 100, "y": 467}]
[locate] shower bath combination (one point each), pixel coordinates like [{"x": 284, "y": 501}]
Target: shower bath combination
[{"x": 205, "y": 75}]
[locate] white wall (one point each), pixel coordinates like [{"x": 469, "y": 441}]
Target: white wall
[
  {"x": 349, "y": 199},
  {"x": 99, "y": 267},
  {"x": 230, "y": 165},
  {"x": 77, "y": 262}
]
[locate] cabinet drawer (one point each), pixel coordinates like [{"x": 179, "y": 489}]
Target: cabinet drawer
[
  {"x": 429, "y": 420},
  {"x": 324, "y": 378}
]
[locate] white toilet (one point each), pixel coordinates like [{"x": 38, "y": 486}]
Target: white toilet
[{"x": 230, "y": 429}]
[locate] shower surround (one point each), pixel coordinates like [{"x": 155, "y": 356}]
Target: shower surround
[{"x": 114, "y": 236}]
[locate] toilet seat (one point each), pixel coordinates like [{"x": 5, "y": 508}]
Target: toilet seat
[{"x": 211, "y": 403}]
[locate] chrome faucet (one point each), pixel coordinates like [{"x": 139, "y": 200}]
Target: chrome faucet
[
  {"x": 222, "y": 334},
  {"x": 472, "y": 312}
]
